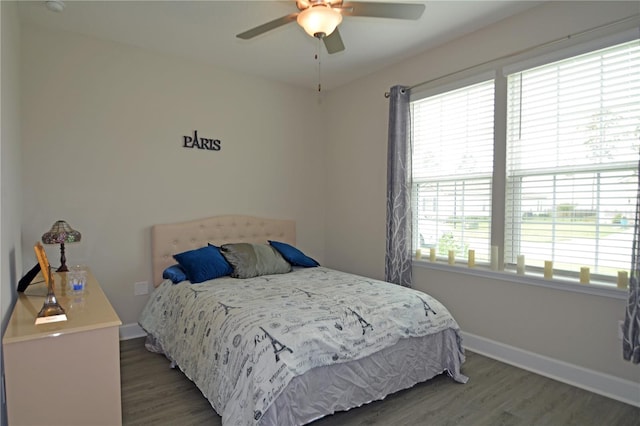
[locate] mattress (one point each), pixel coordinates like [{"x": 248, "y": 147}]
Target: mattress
[{"x": 290, "y": 348}]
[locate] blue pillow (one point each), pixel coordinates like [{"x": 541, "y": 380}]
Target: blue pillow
[
  {"x": 205, "y": 263},
  {"x": 293, "y": 255},
  {"x": 175, "y": 273}
]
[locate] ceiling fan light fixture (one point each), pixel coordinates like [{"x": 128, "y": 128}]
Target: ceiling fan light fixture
[{"x": 320, "y": 20}]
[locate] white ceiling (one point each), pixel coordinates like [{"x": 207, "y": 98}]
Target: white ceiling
[{"x": 205, "y": 31}]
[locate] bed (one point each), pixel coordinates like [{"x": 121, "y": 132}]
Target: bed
[{"x": 291, "y": 347}]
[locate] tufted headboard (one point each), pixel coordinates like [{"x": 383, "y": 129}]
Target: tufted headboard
[{"x": 172, "y": 238}]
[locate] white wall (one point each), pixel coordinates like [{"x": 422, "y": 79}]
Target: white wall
[
  {"x": 102, "y": 127},
  {"x": 575, "y": 328},
  {"x": 10, "y": 202},
  {"x": 11, "y": 158}
]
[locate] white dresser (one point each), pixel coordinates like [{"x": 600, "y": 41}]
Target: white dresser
[{"x": 63, "y": 373}]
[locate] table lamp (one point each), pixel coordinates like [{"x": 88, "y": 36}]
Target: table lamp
[{"x": 61, "y": 233}]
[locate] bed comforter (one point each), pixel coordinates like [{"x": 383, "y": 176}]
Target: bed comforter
[{"x": 241, "y": 341}]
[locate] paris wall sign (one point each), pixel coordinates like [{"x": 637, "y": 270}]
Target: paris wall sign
[{"x": 201, "y": 143}]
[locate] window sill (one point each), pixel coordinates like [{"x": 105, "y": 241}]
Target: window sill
[{"x": 529, "y": 279}]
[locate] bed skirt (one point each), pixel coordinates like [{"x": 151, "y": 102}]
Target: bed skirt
[{"x": 326, "y": 390}]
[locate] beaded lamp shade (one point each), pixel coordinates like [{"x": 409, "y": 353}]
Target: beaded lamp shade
[{"x": 61, "y": 233}]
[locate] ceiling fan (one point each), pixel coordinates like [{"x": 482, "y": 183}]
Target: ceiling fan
[{"x": 320, "y": 18}]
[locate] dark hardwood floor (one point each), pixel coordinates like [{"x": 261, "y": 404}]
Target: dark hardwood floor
[{"x": 496, "y": 394}]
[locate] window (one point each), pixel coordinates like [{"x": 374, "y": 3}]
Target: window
[
  {"x": 572, "y": 146},
  {"x": 570, "y": 165},
  {"x": 452, "y": 169}
]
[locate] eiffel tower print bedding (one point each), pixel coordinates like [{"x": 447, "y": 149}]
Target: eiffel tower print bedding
[{"x": 242, "y": 341}]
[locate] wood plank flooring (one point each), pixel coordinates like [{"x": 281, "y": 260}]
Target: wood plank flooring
[{"x": 496, "y": 394}]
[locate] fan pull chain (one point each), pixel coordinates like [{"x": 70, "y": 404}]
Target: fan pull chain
[{"x": 318, "y": 49}]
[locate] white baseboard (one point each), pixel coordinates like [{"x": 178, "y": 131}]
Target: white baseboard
[
  {"x": 131, "y": 331},
  {"x": 584, "y": 378}
]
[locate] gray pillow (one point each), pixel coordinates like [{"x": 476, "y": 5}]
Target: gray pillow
[{"x": 252, "y": 260}]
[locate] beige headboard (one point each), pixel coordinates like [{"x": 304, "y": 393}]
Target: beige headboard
[{"x": 171, "y": 238}]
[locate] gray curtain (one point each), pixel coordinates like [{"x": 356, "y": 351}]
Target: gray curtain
[
  {"x": 398, "y": 254},
  {"x": 631, "y": 330}
]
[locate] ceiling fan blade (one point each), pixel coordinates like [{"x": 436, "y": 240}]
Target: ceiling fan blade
[
  {"x": 261, "y": 29},
  {"x": 383, "y": 10},
  {"x": 333, "y": 42}
]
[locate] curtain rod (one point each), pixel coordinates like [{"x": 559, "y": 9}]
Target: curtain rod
[{"x": 528, "y": 49}]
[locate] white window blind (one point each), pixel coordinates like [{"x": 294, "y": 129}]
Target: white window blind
[
  {"x": 573, "y": 132},
  {"x": 452, "y": 170}
]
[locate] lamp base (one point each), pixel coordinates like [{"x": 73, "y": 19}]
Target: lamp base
[{"x": 63, "y": 260}]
